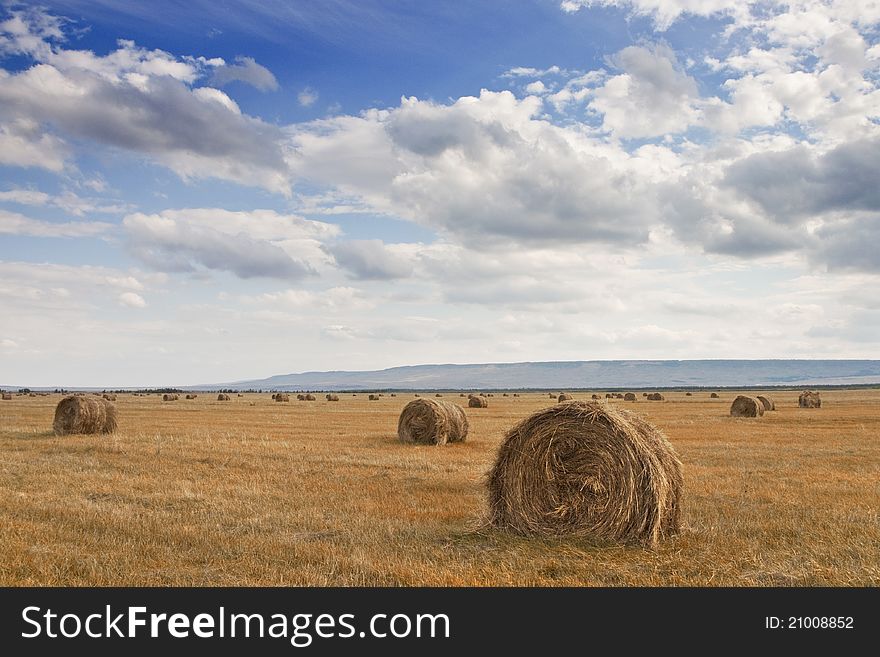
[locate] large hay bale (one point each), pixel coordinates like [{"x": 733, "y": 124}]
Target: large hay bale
[
  {"x": 586, "y": 469},
  {"x": 310, "y": 397},
  {"x": 478, "y": 402},
  {"x": 81, "y": 414},
  {"x": 809, "y": 399},
  {"x": 656, "y": 396},
  {"x": 331, "y": 397},
  {"x": 769, "y": 404},
  {"x": 714, "y": 395},
  {"x": 596, "y": 397},
  {"x": 282, "y": 397},
  {"x": 432, "y": 422},
  {"x": 373, "y": 397},
  {"x": 607, "y": 395},
  {"x": 222, "y": 397},
  {"x": 7, "y": 396},
  {"x": 167, "y": 397},
  {"x": 300, "y": 397},
  {"x": 744, "y": 406},
  {"x": 630, "y": 396},
  {"x": 564, "y": 397}
]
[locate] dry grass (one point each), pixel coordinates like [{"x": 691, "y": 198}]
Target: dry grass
[{"x": 210, "y": 493}]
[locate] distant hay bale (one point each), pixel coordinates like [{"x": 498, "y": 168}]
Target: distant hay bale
[
  {"x": 516, "y": 394},
  {"x": 417, "y": 395},
  {"x": 222, "y": 397},
  {"x": 714, "y": 395},
  {"x": 769, "y": 404},
  {"x": 504, "y": 394},
  {"x": 554, "y": 395},
  {"x": 564, "y": 397},
  {"x": 438, "y": 395},
  {"x": 33, "y": 394},
  {"x": 644, "y": 394},
  {"x": 273, "y": 396},
  {"x": 374, "y": 398},
  {"x": 596, "y": 397},
  {"x": 331, "y": 397},
  {"x": 482, "y": 394},
  {"x": 393, "y": 394},
  {"x": 586, "y": 469},
  {"x": 81, "y": 414},
  {"x": 490, "y": 395},
  {"x": 7, "y": 396},
  {"x": 191, "y": 396},
  {"x": 656, "y": 396},
  {"x": 607, "y": 395},
  {"x": 240, "y": 395},
  {"x": 478, "y": 402},
  {"x": 282, "y": 397},
  {"x": 310, "y": 397},
  {"x": 168, "y": 397},
  {"x": 809, "y": 399},
  {"x": 687, "y": 394},
  {"x": 106, "y": 396},
  {"x": 744, "y": 406},
  {"x": 630, "y": 396},
  {"x": 461, "y": 394},
  {"x": 617, "y": 395},
  {"x": 432, "y": 422}
]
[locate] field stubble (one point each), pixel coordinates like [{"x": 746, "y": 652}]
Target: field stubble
[{"x": 251, "y": 492}]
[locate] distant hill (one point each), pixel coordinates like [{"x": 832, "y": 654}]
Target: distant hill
[{"x": 581, "y": 374}]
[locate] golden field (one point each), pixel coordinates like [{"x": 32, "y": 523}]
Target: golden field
[{"x": 253, "y": 492}]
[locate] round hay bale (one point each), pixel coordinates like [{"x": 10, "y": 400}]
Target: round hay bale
[
  {"x": 590, "y": 470},
  {"x": 106, "y": 396},
  {"x": 432, "y": 422},
  {"x": 714, "y": 395},
  {"x": 222, "y": 397},
  {"x": 504, "y": 394},
  {"x": 81, "y": 414},
  {"x": 462, "y": 395},
  {"x": 769, "y": 404},
  {"x": 478, "y": 402},
  {"x": 596, "y": 397},
  {"x": 607, "y": 395},
  {"x": 744, "y": 406},
  {"x": 564, "y": 397},
  {"x": 417, "y": 395},
  {"x": 281, "y": 397},
  {"x": 191, "y": 396},
  {"x": 656, "y": 396},
  {"x": 630, "y": 396},
  {"x": 554, "y": 395},
  {"x": 393, "y": 394},
  {"x": 167, "y": 397},
  {"x": 438, "y": 395},
  {"x": 516, "y": 394},
  {"x": 687, "y": 394},
  {"x": 7, "y": 396},
  {"x": 240, "y": 395},
  {"x": 310, "y": 397},
  {"x": 374, "y": 398},
  {"x": 331, "y": 397},
  {"x": 809, "y": 399}
]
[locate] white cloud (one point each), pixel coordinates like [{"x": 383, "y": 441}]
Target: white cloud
[
  {"x": 136, "y": 100},
  {"x": 132, "y": 300},
  {"x": 67, "y": 201},
  {"x": 371, "y": 259},
  {"x": 307, "y": 97},
  {"x": 245, "y": 70},
  {"x": 260, "y": 243},
  {"x": 13, "y": 223},
  {"x": 652, "y": 97}
]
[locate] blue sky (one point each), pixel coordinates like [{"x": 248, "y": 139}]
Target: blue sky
[{"x": 190, "y": 193}]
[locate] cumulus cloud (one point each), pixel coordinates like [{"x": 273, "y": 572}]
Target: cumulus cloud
[
  {"x": 138, "y": 100},
  {"x": 24, "y": 144},
  {"x": 370, "y": 260},
  {"x": 245, "y": 70},
  {"x": 132, "y": 300},
  {"x": 652, "y": 96},
  {"x": 663, "y": 12},
  {"x": 261, "y": 243}
]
